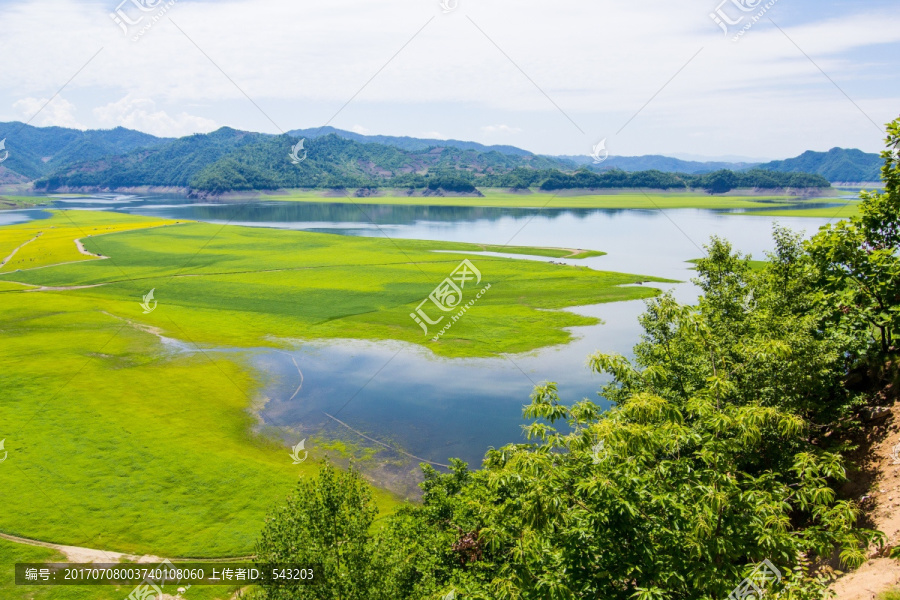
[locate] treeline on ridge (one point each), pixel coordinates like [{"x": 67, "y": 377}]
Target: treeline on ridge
[{"x": 228, "y": 160}]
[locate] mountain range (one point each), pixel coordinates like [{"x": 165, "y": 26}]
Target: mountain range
[
  {"x": 38, "y": 151},
  {"x": 659, "y": 163},
  {"x": 410, "y": 144},
  {"x": 225, "y": 160},
  {"x": 837, "y": 165}
]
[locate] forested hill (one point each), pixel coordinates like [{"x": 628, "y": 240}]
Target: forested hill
[
  {"x": 405, "y": 143},
  {"x": 228, "y": 159},
  {"x": 38, "y": 151},
  {"x": 838, "y": 164},
  {"x": 231, "y": 160},
  {"x": 656, "y": 162}
]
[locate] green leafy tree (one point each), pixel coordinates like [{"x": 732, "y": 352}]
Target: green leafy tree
[
  {"x": 858, "y": 262},
  {"x": 325, "y": 523},
  {"x": 719, "y": 182}
]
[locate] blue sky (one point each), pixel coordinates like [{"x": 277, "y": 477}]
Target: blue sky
[{"x": 651, "y": 77}]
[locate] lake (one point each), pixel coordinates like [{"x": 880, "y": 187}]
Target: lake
[{"x": 371, "y": 395}]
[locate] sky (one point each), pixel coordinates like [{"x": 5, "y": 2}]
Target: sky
[{"x": 776, "y": 78}]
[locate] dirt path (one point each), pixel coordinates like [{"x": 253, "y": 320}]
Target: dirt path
[
  {"x": 81, "y": 249},
  {"x": 572, "y": 251},
  {"x": 76, "y": 554},
  {"x": 60, "y": 288},
  {"x": 19, "y": 247},
  {"x": 880, "y": 573}
]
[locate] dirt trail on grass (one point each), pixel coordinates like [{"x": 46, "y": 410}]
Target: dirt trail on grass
[
  {"x": 879, "y": 573},
  {"x": 76, "y": 554},
  {"x": 19, "y": 247},
  {"x": 81, "y": 249},
  {"x": 60, "y": 288}
]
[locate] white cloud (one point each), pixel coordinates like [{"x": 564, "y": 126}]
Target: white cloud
[
  {"x": 59, "y": 112},
  {"x": 501, "y": 129},
  {"x": 360, "y": 130},
  {"x": 141, "y": 114},
  {"x": 598, "y": 62}
]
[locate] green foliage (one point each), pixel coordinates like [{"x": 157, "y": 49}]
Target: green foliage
[
  {"x": 717, "y": 182},
  {"x": 857, "y": 262},
  {"x": 716, "y": 455},
  {"x": 326, "y": 524}
]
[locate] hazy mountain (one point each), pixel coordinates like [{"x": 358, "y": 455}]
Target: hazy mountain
[
  {"x": 656, "y": 162},
  {"x": 838, "y": 164},
  {"x": 405, "y": 143},
  {"x": 36, "y": 151}
]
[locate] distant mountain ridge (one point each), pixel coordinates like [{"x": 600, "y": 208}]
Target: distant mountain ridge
[
  {"x": 229, "y": 160},
  {"x": 37, "y": 151},
  {"x": 410, "y": 144},
  {"x": 232, "y": 160},
  {"x": 59, "y": 158},
  {"x": 838, "y": 164},
  {"x": 658, "y": 163}
]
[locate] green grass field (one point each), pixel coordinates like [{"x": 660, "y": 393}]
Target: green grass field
[
  {"x": 8, "y": 202},
  {"x": 241, "y": 286},
  {"x": 770, "y": 205},
  {"x": 115, "y": 443},
  {"x": 843, "y": 211}
]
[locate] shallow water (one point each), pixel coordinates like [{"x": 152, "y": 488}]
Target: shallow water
[{"x": 436, "y": 408}]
